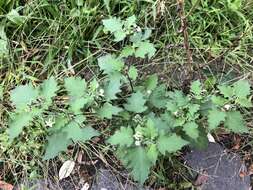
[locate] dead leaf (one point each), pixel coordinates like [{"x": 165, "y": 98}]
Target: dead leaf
[
  {"x": 237, "y": 143},
  {"x": 243, "y": 171},
  {"x": 66, "y": 169},
  {"x": 201, "y": 179},
  {"x": 5, "y": 186},
  {"x": 210, "y": 138},
  {"x": 250, "y": 169},
  {"x": 243, "y": 174}
]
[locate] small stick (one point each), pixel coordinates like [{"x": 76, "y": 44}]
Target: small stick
[{"x": 184, "y": 31}]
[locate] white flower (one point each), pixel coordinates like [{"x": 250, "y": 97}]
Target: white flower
[
  {"x": 101, "y": 92},
  {"x": 227, "y": 106},
  {"x": 149, "y": 91},
  {"x": 49, "y": 122},
  {"x": 137, "y": 143},
  {"x": 138, "y": 29},
  {"x": 138, "y": 136},
  {"x": 175, "y": 113}
]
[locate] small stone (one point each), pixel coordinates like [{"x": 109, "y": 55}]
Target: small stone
[
  {"x": 106, "y": 180},
  {"x": 221, "y": 168}
]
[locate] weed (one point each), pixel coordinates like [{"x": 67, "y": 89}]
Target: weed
[{"x": 102, "y": 78}]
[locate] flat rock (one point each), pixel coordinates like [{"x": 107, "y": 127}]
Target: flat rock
[
  {"x": 35, "y": 185},
  {"x": 41, "y": 184},
  {"x": 106, "y": 180},
  {"x": 220, "y": 168}
]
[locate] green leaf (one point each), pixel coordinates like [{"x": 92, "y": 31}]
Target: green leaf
[
  {"x": 133, "y": 72},
  {"x": 191, "y": 129},
  {"x": 226, "y": 91},
  {"x": 145, "y": 48},
  {"x": 119, "y": 35},
  {"x": 179, "y": 98},
  {"x": 113, "y": 86},
  {"x": 218, "y": 100},
  {"x": 49, "y": 88},
  {"x": 75, "y": 12},
  {"x": 235, "y": 122},
  {"x": 88, "y": 133},
  {"x": 136, "y": 37},
  {"x": 108, "y": 110},
  {"x": 107, "y": 5},
  {"x": 77, "y": 104},
  {"x": 201, "y": 143},
  {"x": 3, "y": 48},
  {"x": 151, "y": 82},
  {"x": 193, "y": 109},
  {"x": 17, "y": 123},
  {"x": 109, "y": 63},
  {"x": 170, "y": 144},
  {"x": 122, "y": 137},
  {"x": 93, "y": 86},
  {"x": 76, "y": 133},
  {"x": 127, "y": 51},
  {"x": 130, "y": 22},
  {"x": 140, "y": 36},
  {"x": 112, "y": 24},
  {"x": 136, "y": 103},
  {"x": 241, "y": 89},
  {"x": 150, "y": 131},
  {"x": 215, "y": 117},
  {"x": 147, "y": 34},
  {"x": 75, "y": 86},
  {"x": 235, "y": 5},
  {"x": 244, "y": 102},
  {"x": 15, "y": 17},
  {"x": 139, "y": 163},
  {"x": 115, "y": 26},
  {"x": 196, "y": 88},
  {"x": 161, "y": 123},
  {"x": 3, "y": 35},
  {"x": 79, "y": 2},
  {"x": 172, "y": 106},
  {"x": 56, "y": 143},
  {"x": 80, "y": 118},
  {"x": 152, "y": 153},
  {"x": 158, "y": 97},
  {"x": 60, "y": 122},
  {"x": 23, "y": 95}
]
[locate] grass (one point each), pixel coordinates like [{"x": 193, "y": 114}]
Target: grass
[{"x": 63, "y": 38}]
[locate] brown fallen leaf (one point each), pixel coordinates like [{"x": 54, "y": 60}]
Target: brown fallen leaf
[
  {"x": 5, "y": 186},
  {"x": 250, "y": 169},
  {"x": 243, "y": 171},
  {"x": 201, "y": 179},
  {"x": 237, "y": 142},
  {"x": 243, "y": 174}
]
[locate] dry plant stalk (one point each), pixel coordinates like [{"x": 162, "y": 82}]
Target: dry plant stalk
[{"x": 184, "y": 31}]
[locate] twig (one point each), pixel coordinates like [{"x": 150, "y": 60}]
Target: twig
[
  {"x": 129, "y": 79},
  {"x": 184, "y": 31}
]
